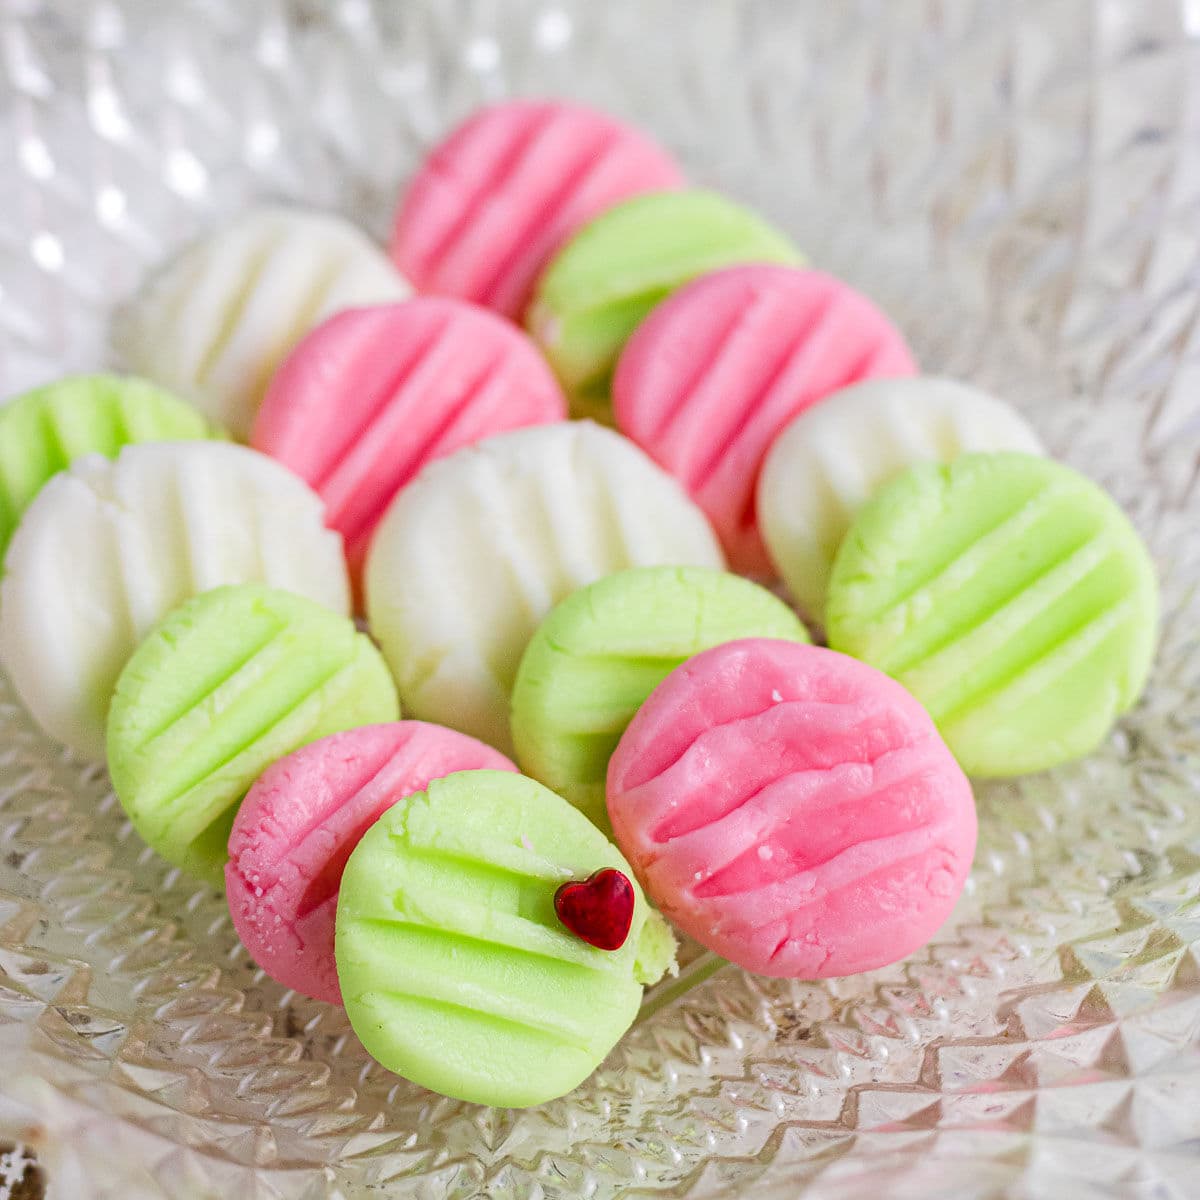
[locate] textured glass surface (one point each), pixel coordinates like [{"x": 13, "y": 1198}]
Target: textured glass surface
[{"x": 1018, "y": 181}]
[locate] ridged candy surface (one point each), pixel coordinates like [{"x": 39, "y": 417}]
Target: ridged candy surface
[
  {"x": 44, "y": 431},
  {"x": 608, "y": 277},
  {"x": 229, "y": 683},
  {"x": 792, "y": 809},
  {"x": 455, "y": 969},
  {"x": 717, "y": 371},
  {"x": 108, "y": 548},
  {"x": 835, "y": 456},
  {"x": 496, "y": 199},
  {"x": 373, "y": 394},
  {"x": 299, "y": 823},
  {"x": 214, "y": 323},
  {"x": 475, "y": 551},
  {"x": 605, "y": 648},
  {"x": 1011, "y": 595}
]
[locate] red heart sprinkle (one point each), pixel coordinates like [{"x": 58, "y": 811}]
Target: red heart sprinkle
[{"x": 599, "y": 910}]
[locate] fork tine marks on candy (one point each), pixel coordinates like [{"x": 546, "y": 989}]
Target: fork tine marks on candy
[
  {"x": 473, "y": 554},
  {"x": 605, "y": 648},
  {"x": 373, "y": 394},
  {"x": 456, "y": 969},
  {"x": 607, "y": 278},
  {"x": 214, "y": 323},
  {"x": 505, "y": 189},
  {"x": 796, "y": 337},
  {"x": 834, "y": 457},
  {"x": 301, "y": 820},
  {"x": 1011, "y": 595},
  {"x": 230, "y": 682},
  {"x": 792, "y": 809},
  {"x": 109, "y": 548}
]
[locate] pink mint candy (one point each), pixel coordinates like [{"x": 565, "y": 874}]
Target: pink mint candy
[
  {"x": 373, "y": 394},
  {"x": 299, "y": 824},
  {"x": 792, "y": 809},
  {"x": 497, "y": 198},
  {"x": 720, "y": 368}
]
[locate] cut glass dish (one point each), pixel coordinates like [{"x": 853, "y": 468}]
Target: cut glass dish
[{"x": 1018, "y": 183}]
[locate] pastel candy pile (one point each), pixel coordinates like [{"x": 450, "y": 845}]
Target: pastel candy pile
[
  {"x": 837, "y": 455},
  {"x": 494, "y": 201},
  {"x": 1011, "y": 596},
  {"x": 44, "y": 431},
  {"x": 229, "y": 683},
  {"x": 605, "y": 648},
  {"x": 554, "y": 589},
  {"x": 455, "y": 969},
  {"x": 716, "y": 372},
  {"x": 215, "y": 322},
  {"x": 298, "y": 824},
  {"x": 373, "y": 394},
  {"x": 109, "y": 548},
  {"x": 792, "y": 809},
  {"x": 608, "y": 277},
  {"x": 482, "y": 545}
]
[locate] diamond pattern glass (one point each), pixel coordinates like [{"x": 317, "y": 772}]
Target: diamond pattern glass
[{"x": 1018, "y": 182}]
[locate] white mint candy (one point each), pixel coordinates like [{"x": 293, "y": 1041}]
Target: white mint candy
[
  {"x": 836, "y": 455},
  {"x": 216, "y": 321},
  {"x": 483, "y": 543},
  {"x": 109, "y": 548}
]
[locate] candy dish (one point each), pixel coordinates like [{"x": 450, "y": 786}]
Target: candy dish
[{"x": 1014, "y": 184}]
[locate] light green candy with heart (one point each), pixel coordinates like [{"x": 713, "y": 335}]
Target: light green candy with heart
[
  {"x": 607, "y": 278},
  {"x": 454, "y": 966}
]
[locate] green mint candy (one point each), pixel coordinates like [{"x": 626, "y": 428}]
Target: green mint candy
[
  {"x": 604, "y": 281},
  {"x": 455, "y": 969},
  {"x": 1011, "y": 596},
  {"x": 231, "y": 681},
  {"x": 605, "y": 648}
]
